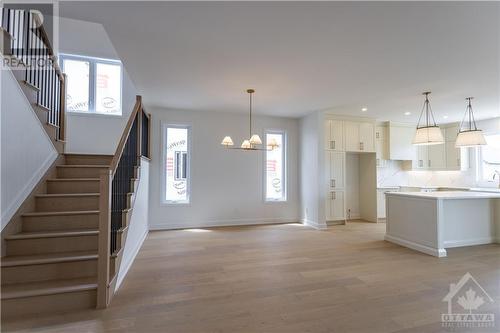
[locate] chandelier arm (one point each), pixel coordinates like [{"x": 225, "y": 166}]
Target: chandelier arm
[{"x": 472, "y": 117}]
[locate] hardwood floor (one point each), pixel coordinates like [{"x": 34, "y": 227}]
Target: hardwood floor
[{"x": 282, "y": 278}]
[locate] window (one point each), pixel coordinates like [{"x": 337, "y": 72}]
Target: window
[
  {"x": 275, "y": 182},
  {"x": 176, "y": 167},
  {"x": 93, "y": 85},
  {"x": 489, "y": 159}
]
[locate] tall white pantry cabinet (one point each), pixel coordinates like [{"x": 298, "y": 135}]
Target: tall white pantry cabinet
[{"x": 342, "y": 135}]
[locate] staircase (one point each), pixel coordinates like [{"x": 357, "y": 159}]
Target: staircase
[{"x": 51, "y": 264}]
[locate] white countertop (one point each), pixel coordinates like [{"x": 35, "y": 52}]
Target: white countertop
[{"x": 445, "y": 195}]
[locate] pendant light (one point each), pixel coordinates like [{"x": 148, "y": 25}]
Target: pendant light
[
  {"x": 254, "y": 141},
  {"x": 428, "y": 133},
  {"x": 469, "y": 136}
]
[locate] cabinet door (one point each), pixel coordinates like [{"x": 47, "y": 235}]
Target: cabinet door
[
  {"x": 337, "y": 135},
  {"x": 367, "y": 137},
  {"x": 351, "y": 130},
  {"x": 436, "y": 157},
  {"x": 381, "y": 204},
  {"x": 452, "y": 156},
  {"x": 334, "y": 206},
  {"x": 335, "y": 162},
  {"x": 381, "y": 144},
  {"x": 422, "y": 159}
]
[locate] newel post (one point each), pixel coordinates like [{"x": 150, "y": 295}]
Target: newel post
[{"x": 104, "y": 239}]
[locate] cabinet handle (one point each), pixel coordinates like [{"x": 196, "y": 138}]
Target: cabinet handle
[
  {"x": 332, "y": 183},
  {"x": 331, "y": 195},
  {"x": 421, "y": 163},
  {"x": 361, "y": 146},
  {"x": 429, "y": 163},
  {"x": 333, "y": 144},
  {"x": 458, "y": 162},
  {"x": 377, "y": 135}
]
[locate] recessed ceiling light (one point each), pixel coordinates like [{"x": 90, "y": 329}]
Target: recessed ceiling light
[
  {"x": 445, "y": 117},
  {"x": 407, "y": 113},
  {"x": 364, "y": 109}
]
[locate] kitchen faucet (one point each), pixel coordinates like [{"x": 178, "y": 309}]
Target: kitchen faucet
[{"x": 497, "y": 173}]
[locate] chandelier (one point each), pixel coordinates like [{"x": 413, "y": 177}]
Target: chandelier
[
  {"x": 469, "y": 135},
  {"x": 254, "y": 141}
]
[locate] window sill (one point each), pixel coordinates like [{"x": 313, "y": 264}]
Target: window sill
[
  {"x": 93, "y": 114},
  {"x": 275, "y": 201}
]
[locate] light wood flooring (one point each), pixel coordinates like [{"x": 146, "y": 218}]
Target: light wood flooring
[{"x": 282, "y": 278}]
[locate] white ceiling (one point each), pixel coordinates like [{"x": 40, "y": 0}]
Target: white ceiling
[{"x": 303, "y": 56}]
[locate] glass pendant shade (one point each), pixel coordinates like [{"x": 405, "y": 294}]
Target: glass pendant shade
[
  {"x": 227, "y": 141},
  {"x": 470, "y": 139},
  {"x": 429, "y": 132},
  {"x": 255, "y": 140},
  {"x": 426, "y": 136},
  {"x": 246, "y": 144},
  {"x": 469, "y": 135}
]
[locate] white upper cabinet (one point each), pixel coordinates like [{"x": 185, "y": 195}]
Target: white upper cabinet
[
  {"x": 335, "y": 170},
  {"x": 381, "y": 147},
  {"x": 359, "y": 136},
  {"x": 334, "y": 135},
  {"x": 436, "y": 157},
  {"x": 400, "y": 142}
]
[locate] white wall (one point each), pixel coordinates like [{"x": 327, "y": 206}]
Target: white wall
[
  {"x": 311, "y": 194},
  {"x": 26, "y": 150},
  {"x": 94, "y": 133},
  {"x": 226, "y": 186},
  {"x": 138, "y": 227}
]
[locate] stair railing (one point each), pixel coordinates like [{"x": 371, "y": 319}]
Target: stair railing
[
  {"x": 115, "y": 184},
  {"x": 29, "y": 45}
]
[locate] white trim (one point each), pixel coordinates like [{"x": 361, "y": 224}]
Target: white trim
[
  {"x": 314, "y": 224},
  {"x": 27, "y": 189},
  {"x": 128, "y": 264},
  {"x": 284, "y": 157},
  {"x": 220, "y": 223},
  {"x": 469, "y": 242},
  {"x": 417, "y": 247}
]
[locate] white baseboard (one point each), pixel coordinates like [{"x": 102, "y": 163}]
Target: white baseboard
[
  {"x": 219, "y": 223},
  {"x": 314, "y": 224},
  {"x": 8, "y": 212},
  {"x": 125, "y": 266},
  {"x": 415, "y": 246},
  {"x": 469, "y": 242}
]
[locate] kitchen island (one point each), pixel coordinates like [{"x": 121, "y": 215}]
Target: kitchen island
[{"x": 431, "y": 222}]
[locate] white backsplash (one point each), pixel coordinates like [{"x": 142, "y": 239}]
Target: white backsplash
[{"x": 394, "y": 175}]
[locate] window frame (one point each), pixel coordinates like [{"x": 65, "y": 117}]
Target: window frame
[
  {"x": 164, "y": 131},
  {"x": 284, "y": 154},
  {"x": 480, "y": 181},
  {"x": 93, "y": 61}
]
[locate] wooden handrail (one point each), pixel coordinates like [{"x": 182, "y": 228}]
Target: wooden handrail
[{"x": 126, "y": 132}]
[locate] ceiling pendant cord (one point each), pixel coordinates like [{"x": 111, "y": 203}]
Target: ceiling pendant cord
[
  {"x": 250, "y": 92},
  {"x": 470, "y": 115},
  {"x": 428, "y": 112}
]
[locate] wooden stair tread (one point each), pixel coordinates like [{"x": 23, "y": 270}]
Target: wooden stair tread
[
  {"x": 58, "y": 195},
  {"x": 73, "y": 180},
  {"x": 93, "y": 155},
  {"x": 48, "y": 258},
  {"x": 52, "y": 234},
  {"x": 71, "y": 212},
  {"x": 31, "y": 289},
  {"x": 102, "y": 166}
]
